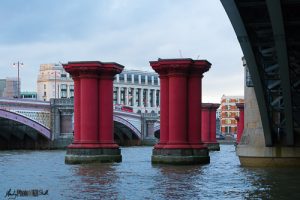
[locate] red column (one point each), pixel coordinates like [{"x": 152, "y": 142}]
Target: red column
[
  {"x": 240, "y": 126},
  {"x": 93, "y": 109},
  {"x": 205, "y": 121},
  {"x": 180, "y": 112},
  {"x": 106, "y": 135},
  {"x": 164, "y": 110},
  {"x": 194, "y": 109},
  {"x": 178, "y": 109},
  {"x": 212, "y": 113},
  {"x": 76, "y": 109},
  {"x": 89, "y": 108}
]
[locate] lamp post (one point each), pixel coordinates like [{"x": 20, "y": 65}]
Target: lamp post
[
  {"x": 18, "y": 64},
  {"x": 55, "y": 75}
]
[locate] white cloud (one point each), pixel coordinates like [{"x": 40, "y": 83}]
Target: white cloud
[{"x": 133, "y": 32}]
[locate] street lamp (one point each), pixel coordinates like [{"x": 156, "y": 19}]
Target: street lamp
[
  {"x": 55, "y": 76},
  {"x": 18, "y": 64}
]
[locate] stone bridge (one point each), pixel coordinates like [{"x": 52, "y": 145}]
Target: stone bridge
[{"x": 53, "y": 122}]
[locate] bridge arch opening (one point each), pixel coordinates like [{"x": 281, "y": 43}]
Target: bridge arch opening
[
  {"x": 125, "y": 134},
  {"x": 17, "y": 135}
]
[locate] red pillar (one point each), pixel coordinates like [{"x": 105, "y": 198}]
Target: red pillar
[
  {"x": 93, "y": 112},
  {"x": 205, "y": 122},
  {"x": 164, "y": 109},
  {"x": 194, "y": 108},
  {"x": 240, "y": 125},
  {"x": 106, "y": 134},
  {"x": 76, "y": 109},
  {"x": 89, "y": 109},
  {"x": 180, "y": 96},
  {"x": 178, "y": 109},
  {"x": 212, "y": 132}
]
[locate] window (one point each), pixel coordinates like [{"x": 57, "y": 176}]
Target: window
[
  {"x": 44, "y": 86},
  {"x": 129, "y": 78},
  {"x": 71, "y": 91},
  {"x": 155, "y": 80},
  {"x": 143, "y": 79},
  {"x": 121, "y": 77},
  {"x": 136, "y": 79},
  {"x": 63, "y": 90},
  {"x": 63, "y": 75}
]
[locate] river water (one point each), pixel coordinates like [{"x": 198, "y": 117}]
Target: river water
[{"x": 137, "y": 178}]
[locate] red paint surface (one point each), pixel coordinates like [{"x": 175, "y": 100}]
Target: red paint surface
[
  {"x": 76, "y": 109},
  {"x": 212, "y": 125},
  {"x": 93, "y": 109},
  {"x": 194, "y": 109},
  {"x": 177, "y": 109},
  {"x": 180, "y": 102},
  {"x": 164, "y": 110},
  {"x": 205, "y": 122},
  {"x": 240, "y": 126}
]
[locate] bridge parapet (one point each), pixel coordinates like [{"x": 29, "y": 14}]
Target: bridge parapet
[{"x": 38, "y": 111}]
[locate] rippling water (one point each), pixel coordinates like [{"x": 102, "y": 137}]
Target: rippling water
[{"x": 137, "y": 178}]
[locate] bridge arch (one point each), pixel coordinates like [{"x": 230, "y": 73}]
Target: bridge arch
[
  {"x": 26, "y": 121},
  {"x": 126, "y": 132},
  {"x": 157, "y": 131}
]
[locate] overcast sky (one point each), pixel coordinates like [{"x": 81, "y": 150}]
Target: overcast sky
[{"x": 130, "y": 32}]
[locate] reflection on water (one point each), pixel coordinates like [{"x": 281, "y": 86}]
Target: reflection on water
[{"x": 137, "y": 178}]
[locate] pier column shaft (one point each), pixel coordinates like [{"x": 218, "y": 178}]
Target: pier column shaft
[
  {"x": 89, "y": 108},
  {"x": 93, "y": 85},
  {"x": 164, "y": 110},
  {"x": 212, "y": 127},
  {"x": 205, "y": 122},
  {"x": 177, "y": 108},
  {"x": 194, "y": 107},
  {"x": 106, "y": 134},
  {"x": 76, "y": 109},
  {"x": 180, "y": 112}
]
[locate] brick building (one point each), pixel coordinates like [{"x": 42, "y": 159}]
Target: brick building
[{"x": 228, "y": 112}]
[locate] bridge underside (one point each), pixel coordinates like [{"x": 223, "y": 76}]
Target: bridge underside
[
  {"x": 14, "y": 135},
  {"x": 269, "y": 35},
  {"x": 124, "y": 136}
]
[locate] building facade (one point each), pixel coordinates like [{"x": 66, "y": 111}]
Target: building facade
[
  {"x": 136, "y": 89},
  {"x": 54, "y": 82},
  {"x": 228, "y": 112},
  {"x": 139, "y": 90},
  {"x": 9, "y": 87}
]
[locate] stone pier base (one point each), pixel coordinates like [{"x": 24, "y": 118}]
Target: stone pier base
[
  {"x": 269, "y": 156},
  {"x": 180, "y": 156},
  {"x": 213, "y": 146},
  {"x": 99, "y": 155}
]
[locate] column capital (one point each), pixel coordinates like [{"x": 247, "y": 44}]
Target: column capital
[
  {"x": 180, "y": 66},
  {"x": 106, "y": 69}
]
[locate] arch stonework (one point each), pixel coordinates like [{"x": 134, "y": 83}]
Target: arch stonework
[
  {"x": 157, "y": 128},
  {"x": 127, "y": 124},
  {"x": 26, "y": 121}
]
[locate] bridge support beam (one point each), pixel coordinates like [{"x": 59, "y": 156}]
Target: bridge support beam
[
  {"x": 252, "y": 151},
  {"x": 93, "y": 134},
  {"x": 180, "y": 139}
]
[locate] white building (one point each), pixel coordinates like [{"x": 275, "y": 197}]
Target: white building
[
  {"x": 54, "y": 82},
  {"x": 137, "y": 89}
]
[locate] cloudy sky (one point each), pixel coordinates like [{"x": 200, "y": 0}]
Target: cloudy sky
[{"x": 130, "y": 32}]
